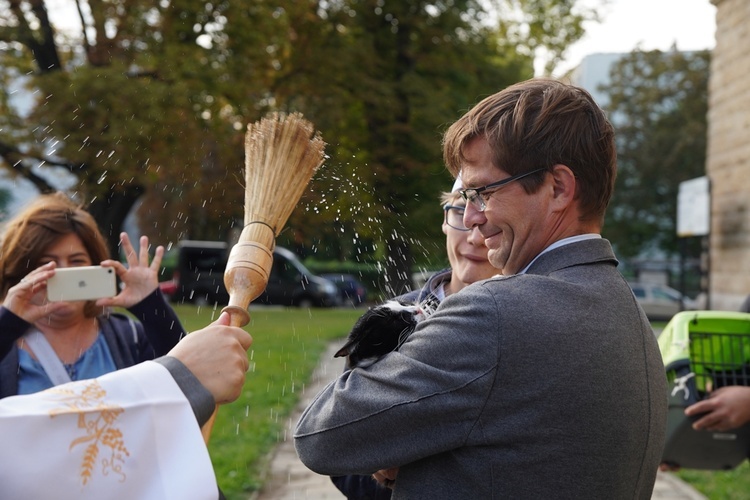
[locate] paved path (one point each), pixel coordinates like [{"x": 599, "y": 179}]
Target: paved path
[{"x": 288, "y": 479}]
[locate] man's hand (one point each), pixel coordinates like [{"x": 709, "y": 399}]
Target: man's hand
[
  {"x": 726, "y": 408},
  {"x": 386, "y": 477},
  {"x": 217, "y": 356}
]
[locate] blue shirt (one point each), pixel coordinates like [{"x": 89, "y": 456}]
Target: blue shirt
[{"x": 94, "y": 362}]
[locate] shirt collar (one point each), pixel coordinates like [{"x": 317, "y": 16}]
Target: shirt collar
[{"x": 560, "y": 243}]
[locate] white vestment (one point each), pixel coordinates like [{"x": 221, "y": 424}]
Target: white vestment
[{"x": 130, "y": 434}]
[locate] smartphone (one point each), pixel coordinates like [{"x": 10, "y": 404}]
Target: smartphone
[{"x": 81, "y": 283}]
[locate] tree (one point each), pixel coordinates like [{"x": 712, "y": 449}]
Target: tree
[
  {"x": 150, "y": 99},
  {"x": 141, "y": 97},
  {"x": 419, "y": 65},
  {"x": 658, "y": 103}
]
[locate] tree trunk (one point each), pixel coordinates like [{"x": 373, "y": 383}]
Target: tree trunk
[{"x": 110, "y": 213}]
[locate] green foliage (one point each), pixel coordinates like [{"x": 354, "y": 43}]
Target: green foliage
[
  {"x": 155, "y": 98},
  {"x": 424, "y": 63},
  {"x": 286, "y": 348},
  {"x": 547, "y": 27},
  {"x": 116, "y": 136},
  {"x": 658, "y": 103}
]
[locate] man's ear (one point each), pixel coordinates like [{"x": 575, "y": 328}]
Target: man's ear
[{"x": 563, "y": 184}]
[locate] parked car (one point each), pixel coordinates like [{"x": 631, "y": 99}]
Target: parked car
[
  {"x": 351, "y": 291},
  {"x": 199, "y": 278},
  {"x": 168, "y": 288},
  {"x": 290, "y": 283},
  {"x": 661, "y": 302},
  {"x": 199, "y": 273}
]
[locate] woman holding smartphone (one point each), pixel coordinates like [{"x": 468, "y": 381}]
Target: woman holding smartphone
[{"x": 43, "y": 343}]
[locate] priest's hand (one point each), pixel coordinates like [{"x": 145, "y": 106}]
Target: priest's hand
[{"x": 217, "y": 356}]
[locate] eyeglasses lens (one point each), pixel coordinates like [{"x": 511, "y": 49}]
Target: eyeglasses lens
[{"x": 454, "y": 217}]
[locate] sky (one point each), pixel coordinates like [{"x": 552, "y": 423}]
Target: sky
[{"x": 650, "y": 24}]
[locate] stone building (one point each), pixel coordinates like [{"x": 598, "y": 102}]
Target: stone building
[{"x": 728, "y": 158}]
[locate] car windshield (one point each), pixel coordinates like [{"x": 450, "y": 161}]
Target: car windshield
[{"x": 666, "y": 293}]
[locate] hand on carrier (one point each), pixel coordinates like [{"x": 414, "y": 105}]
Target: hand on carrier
[{"x": 726, "y": 408}]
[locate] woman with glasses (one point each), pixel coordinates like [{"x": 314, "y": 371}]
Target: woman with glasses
[{"x": 467, "y": 255}]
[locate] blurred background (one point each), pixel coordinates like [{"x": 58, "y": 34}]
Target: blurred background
[{"x": 138, "y": 110}]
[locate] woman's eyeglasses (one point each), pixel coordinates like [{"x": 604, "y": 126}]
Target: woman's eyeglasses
[{"x": 454, "y": 217}]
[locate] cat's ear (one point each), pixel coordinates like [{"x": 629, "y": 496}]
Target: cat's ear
[{"x": 346, "y": 350}]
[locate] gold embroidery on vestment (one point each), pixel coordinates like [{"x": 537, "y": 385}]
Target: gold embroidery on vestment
[{"x": 98, "y": 422}]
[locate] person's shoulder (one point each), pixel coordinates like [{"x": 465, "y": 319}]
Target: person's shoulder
[
  {"x": 500, "y": 291},
  {"x": 495, "y": 282},
  {"x": 477, "y": 294}
]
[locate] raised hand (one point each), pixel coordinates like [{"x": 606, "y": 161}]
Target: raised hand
[{"x": 140, "y": 278}]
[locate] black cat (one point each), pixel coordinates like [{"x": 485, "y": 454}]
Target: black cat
[{"x": 379, "y": 331}]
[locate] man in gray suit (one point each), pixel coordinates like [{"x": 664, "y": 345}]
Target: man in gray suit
[{"x": 544, "y": 382}]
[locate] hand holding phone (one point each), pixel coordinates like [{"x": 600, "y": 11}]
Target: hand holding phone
[{"x": 81, "y": 283}]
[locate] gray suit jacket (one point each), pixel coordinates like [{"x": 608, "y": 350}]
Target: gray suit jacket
[{"x": 543, "y": 385}]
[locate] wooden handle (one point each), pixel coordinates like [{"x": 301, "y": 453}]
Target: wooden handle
[
  {"x": 208, "y": 426},
  {"x": 246, "y": 276},
  {"x": 248, "y": 267},
  {"x": 237, "y": 315}
]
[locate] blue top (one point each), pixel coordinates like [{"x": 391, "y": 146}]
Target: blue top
[
  {"x": 94, "y": 362},
  {"x": 152, "y": 331}
]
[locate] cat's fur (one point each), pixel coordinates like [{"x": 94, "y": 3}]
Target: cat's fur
[{"x": 379, "y": 331}]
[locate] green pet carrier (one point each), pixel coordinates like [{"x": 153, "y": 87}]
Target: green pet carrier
[{"x": 703, "y": 351}]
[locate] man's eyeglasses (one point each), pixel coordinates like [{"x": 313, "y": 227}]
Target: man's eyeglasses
[
  {"x": 478, "y": 196},
  {"x": 454, "y": 217}
]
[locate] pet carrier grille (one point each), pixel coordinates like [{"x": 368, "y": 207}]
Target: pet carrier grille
[{"x": 719, "y": 360}]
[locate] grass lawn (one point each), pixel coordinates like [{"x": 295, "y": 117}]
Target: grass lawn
[
  {"x": 720, "y": 485},
  {"x": 287, "y": 344}
]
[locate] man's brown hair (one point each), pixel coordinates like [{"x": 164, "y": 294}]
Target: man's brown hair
[{"x": 537, "y": 124}]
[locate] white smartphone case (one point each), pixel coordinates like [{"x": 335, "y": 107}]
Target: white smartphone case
[{"x": 81, "y": 283}]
